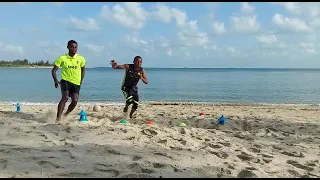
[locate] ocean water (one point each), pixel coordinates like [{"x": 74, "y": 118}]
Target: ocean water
[{"x": 102, "y": 85}]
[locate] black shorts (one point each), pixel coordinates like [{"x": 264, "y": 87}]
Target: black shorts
[
  {"x": 132, "y": 96},
  {"x": 68, "y": 86}
]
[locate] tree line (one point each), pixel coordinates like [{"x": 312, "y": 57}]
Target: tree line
[{"x": 25, "y": 62}]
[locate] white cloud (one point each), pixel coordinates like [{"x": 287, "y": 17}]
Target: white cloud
[
  {"x": 315, "y": 23},
  {"x": 94, "y": 48},
  {"x": 42, "y": 43},
  {"x": 164, "y": 42},
  {"x": 191, "y": 38},
  {"x": 245, "y": 24},
  {"x": 188, "y": 54},
  {"x": 307, "y": 11},
  {"x": 266, "y": 39},
  {"x": 58, "y": 4},
  {"x": 292, "y": 24},
  {"x": 10, "y": 48},
  {"x": 289, "y": 6},
  {"x": 166, "y": 14},
  {"x": 233, "y": 50},
  {"x": 51, "y": 48},
  {"x": 219, "y": 28},
  {"x": 308, "y": 47},
  {"x": 139, "y": 45},
  {"x": 190, "y": 34},
  {"x": 247, "y": 8},
  {"x": 189, "y": 31},
  {"x": 90, "y": 24},
  {"x": 169, "y": 52},
  {"x": 130, "y": 14},
  {"x": 163, "y": 13},
  {"x": 211, "y": 47}
]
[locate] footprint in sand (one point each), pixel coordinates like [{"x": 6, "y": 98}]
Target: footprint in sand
[
  {"x": 114, "y": 152},
  {"x": 149, "y": 132},
  {"x": 130, "y": 138},
  {"x": 215, "y": 146},
  {"x": 300, "y": 166},
  {"x": 244, "y": 156},
  {"x": 226, "y": 144},
  {"x": 136, "y": 167},
  {"x": 136, "y": 158},
  {"x": 222, "y": 155},
  {"x": 3, "y": 163},
  {"x": 106, "y": 168},
  {"x": 74, "y": 174},
  {"x": 266, "y": 155},
  {"x": 266, "y": 160},
  {"x": 182, "y": 131},
  {"x": 163, "y": 154},
  {"x": 183, "y": 142},
  {"x": 158, "y": 165},
  {"x": 255, "y": 150},
  {"x": 246, "y": 174},
  {"x": 136, "y": 175},
  {"x": 48, "y": 165},
  {"x": 294, "y": 173},
  {"x": 67, "y": 153},
  {"x": 21, "y": 150},
  {"x": 293, "y": 154}
]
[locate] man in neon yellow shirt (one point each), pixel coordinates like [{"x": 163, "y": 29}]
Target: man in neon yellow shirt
[{"x": 73, "y": 70}]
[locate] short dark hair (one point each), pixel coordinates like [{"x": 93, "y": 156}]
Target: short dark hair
[
  {"x": 137, "y": 57},
  {"x": 72, "y": 42}
]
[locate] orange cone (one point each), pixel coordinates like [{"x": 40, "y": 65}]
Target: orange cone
[{"x": 150, "y": 122}]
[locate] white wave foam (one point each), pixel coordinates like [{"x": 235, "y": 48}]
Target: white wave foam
[
  {"x": 56, "y": 103},
  {"x": 113, "y": 103}
]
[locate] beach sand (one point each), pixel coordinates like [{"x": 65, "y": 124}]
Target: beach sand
[{"x": 256, "y": 141}]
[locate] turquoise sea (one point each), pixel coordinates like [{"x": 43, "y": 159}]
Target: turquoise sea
[{"x": 102, "y": 85}]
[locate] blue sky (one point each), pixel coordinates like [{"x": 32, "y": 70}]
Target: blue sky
[{"x": 211, "y": 34}]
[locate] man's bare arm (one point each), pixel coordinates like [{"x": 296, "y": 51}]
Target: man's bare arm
[
  {"x": 144, "y": 77},
  {"x": 83, "y": 72},
  {"x": 54, "y": 73},
  {"x": 116, "y": 66},
  {"x": 124, "y": 66}
]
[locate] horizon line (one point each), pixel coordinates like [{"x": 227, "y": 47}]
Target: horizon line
[{"x": 218, "y": 68}]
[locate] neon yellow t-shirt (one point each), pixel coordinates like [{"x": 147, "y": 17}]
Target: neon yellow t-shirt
[{"x": 71, "y": 67}]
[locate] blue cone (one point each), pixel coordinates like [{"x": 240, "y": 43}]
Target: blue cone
[
  {"x": 222, "y": 120},
  {"x": 83, "y": 116}
]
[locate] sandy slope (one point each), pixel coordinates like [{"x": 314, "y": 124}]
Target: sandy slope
[{"x": 257, "y": 141}]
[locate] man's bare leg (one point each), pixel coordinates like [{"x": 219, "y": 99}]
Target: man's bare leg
[
  {"x": 125, "y": 109},
  {"x": 73, "y": 104},
  {"x": 133, "y": 109},
  {"x": 61, "y": 105}
]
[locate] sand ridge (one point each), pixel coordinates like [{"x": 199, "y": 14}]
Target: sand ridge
[{"x": 256, "y": 141}]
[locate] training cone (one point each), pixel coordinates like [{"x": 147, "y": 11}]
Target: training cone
[
  {"x": 150, "y": 122},
  {"x": 123, "y": 121},
  {"x": 222, "y": 120},
  {"x": 182, "y": 124},
  {"x": 83, "y": 116}
]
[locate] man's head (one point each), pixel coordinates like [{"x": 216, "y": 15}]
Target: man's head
[
  {"x": 137, "y": 61},
  {"x": 73, "y": 47}
]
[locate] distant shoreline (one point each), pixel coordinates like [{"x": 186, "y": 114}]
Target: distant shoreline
[
  {"x": 221, "y": 68},
  {"x": 27, "y": 67}
]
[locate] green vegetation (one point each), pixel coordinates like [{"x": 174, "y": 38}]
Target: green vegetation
[{"x": 24, "y": 63}]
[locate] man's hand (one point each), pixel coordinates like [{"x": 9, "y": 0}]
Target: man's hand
[
  {"x": 56, "y": 84},
  {"x": 113, "y": 64}
]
